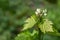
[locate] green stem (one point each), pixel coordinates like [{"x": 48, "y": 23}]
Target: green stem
[{"x": 40, "y": 34}]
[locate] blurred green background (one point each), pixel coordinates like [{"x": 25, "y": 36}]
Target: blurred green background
[{"x": 14, "y": 12}]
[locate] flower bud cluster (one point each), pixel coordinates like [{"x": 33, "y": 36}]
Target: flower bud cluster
[{"x": 40, "y": 12}]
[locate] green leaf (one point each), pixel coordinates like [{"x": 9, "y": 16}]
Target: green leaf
[
  {"x": 30, "y": 22},
  {"x": 27, "y": 35},
  {"x": 46, "y": 26},
  {"x": 23, "y": 36},
  {"x": 34, "y": 32}
]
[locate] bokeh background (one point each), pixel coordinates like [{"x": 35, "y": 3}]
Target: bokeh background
[{"x": 14, "y": 12}]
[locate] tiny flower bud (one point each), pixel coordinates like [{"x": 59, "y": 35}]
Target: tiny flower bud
[
  {"x": 44, "y": 11},
  {"x": 36, "y": 13},
  {"x": 38, "y": 10},
  {"x": 45, "y": 14}
]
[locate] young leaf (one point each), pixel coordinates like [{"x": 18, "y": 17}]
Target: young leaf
[
  {"x": 46, "y": 26},
  {"x": 27, "y": 35},
  {"x": 30, "y": 22},
  {"x": 24, "y": 36}
]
